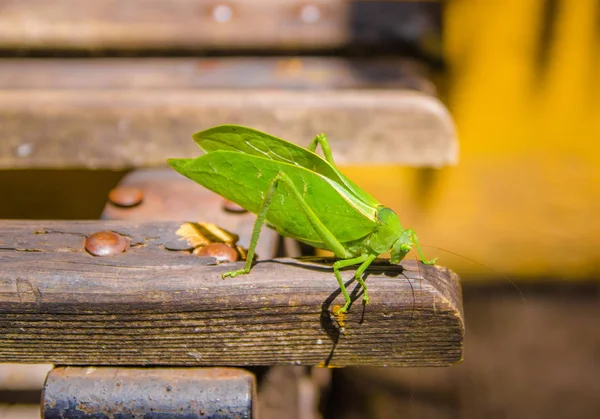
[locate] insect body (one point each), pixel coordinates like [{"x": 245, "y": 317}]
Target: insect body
[{"x": 301, "y": 195}]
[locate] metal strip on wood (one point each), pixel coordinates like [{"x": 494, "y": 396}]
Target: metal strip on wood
[
  {"x": 157, "y": 304},
  {"x": 191, "y": 393}
]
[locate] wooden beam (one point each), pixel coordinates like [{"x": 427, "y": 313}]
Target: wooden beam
[
  {"x": 182, "y": 24},
  {"x": 131, "y": 128},
  {"x": 285, "y": 72},
  {"x": 22, "y": 377},
  {"x": 123, "y": 113},
  {"x": 157, "y": 304},
  {"x": 200, "y": 25}
]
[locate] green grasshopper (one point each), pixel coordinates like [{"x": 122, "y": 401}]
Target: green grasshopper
[{"x": 299, "y": 194}]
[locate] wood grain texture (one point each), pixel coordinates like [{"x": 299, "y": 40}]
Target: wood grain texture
[
  {"x": 153, "y": 306},
  {"x": 116, "y": 129}
]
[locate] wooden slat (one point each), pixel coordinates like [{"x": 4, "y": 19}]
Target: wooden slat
[
  {"x": 200, "y": 25},
  {"x": 22, "y": 377},
  {"x": 156, "y": 24},
  {"x": 129, "y": 128},
  {"x": 312, "y": 73},
  {"x": 151, "y": 306},
  {"x": 119, "y": 113}
]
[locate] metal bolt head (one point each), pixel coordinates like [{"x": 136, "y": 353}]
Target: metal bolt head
[
  {"x": 310, "y": 13},
  {"x": 24, "y": 150},
  {"x": 222, "y": 13},
  {"x": 230, "y": 206},
  {"x": 220, "y": 251},
  {"x": 126, "y": 196},
  {"x": 106, "y": 243}
]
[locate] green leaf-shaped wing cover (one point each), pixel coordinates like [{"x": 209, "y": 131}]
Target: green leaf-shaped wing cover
[
  {"x": 256, "y": 143},
  {"x": 244, "y": 178}
]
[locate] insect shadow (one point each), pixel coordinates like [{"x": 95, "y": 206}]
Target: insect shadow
[{"x": 330, "y": 324}]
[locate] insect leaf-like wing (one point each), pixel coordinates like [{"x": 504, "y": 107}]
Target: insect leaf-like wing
[
  {"x": 244, "y": 179},
  {"x": 256, "y": 143}
]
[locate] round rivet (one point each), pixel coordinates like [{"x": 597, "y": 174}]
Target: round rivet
[
  {"x": 222, "y": 13},
  {"x": 220, "y": 251},
  {"x": 230, "y": 206},
  {"x": 24, "y": 150},
  {"x": 106, "y": 243},
  {"x": 310, "y": 13},
  {"x": 126, "y": 196}
]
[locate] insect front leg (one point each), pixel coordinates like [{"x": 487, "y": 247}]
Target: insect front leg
[
  {"x": 324, "y": 142},
  {"x": 412, "y": 236},
  {"x": 260, "y": 220}
]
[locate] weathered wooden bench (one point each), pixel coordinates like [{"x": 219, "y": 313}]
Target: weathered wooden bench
[
  {"x": 105, "y": 319},
  {"x": 148, "y": 301}
]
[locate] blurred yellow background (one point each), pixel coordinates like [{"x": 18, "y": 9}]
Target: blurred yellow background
[{"x": 525, "y": 196}]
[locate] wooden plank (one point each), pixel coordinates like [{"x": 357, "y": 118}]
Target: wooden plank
[
  {"x": 199, "y": 25},
  {"x": 162, "y": 24},
  {"x": 293, "y": 392},
  {"x": 150, "y": 306},
  {"x": 19, "y": 411},
  {"x": 18, "y": 377},
  {"x": 314, "y": 73},
  {"x": 129, "y": 128}
]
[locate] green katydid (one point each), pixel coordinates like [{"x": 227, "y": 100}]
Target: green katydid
[{"x": 301, "y": 195}]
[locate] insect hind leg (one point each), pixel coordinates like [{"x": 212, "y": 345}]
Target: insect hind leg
[
  {"x": 324, "y": 142},
  {"x": 359, "y": 273},
  {"x": 349, "y": 262}
]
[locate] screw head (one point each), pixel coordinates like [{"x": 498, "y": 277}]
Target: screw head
[
  {"x": 222, "y": 13},
  {"x": 220, "y": 251},
  {"x": 126, "y": 196},
  {"x": 310, "y": 13},
  {"x": 106, "y": 243},
  {"x": 24, "y": 150}
]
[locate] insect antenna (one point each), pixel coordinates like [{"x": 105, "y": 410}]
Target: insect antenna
[
  {"x": 420, "y": 279},
  {"x": 408, "y": 338},
  {"x": 412, "y": 290},
  {"x": 414, "y": 298},
  {"x": 510, "y": 281}
]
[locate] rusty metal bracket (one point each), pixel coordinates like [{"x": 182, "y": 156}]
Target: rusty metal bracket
[{"x": 103, "y": 392}]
